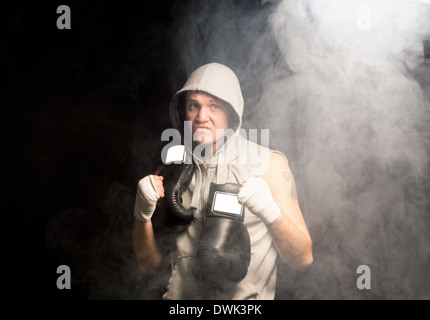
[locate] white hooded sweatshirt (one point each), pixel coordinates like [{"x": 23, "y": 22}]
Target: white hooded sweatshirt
[{"x": 237, "y": 160}]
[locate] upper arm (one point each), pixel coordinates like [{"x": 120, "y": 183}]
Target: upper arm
[{"x": 283, "y": 187}]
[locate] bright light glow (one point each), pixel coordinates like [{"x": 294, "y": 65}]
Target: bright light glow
[
  {"x": 352, "y": 13},
  {"x": 421, "y": 1},
  {"x": 355, "y": 20}
]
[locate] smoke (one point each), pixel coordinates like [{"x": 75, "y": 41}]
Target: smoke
[
  {"x": 362, "y": 130},
  {"x": 344, "y": 89},
  {"x": 335, "y": 82}
]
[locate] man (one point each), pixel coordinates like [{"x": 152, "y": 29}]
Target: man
[{"x": 212, "y": 101}]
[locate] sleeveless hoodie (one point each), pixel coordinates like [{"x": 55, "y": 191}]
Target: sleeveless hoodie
[{"x": 235, "y": 161}]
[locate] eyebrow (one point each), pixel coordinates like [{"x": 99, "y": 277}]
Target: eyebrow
[{"x": 195, "y": 101}]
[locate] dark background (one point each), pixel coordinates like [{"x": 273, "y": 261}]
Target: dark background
[{"x": 74, "y": 102}]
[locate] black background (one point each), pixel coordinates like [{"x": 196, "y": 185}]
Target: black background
[{"x": 73, "y": 103}]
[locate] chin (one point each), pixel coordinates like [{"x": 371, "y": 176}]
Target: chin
[{"x": 203, "y": 137}]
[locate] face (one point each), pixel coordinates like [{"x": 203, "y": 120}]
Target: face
[{"x": 208, "y": 115}]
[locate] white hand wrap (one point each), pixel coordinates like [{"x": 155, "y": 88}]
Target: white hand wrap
[
  {"x": 256, "y": 196},
  {"x": 146, "y": 199}
]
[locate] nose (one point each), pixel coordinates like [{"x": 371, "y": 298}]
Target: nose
[{"x": 203, "y": 114}]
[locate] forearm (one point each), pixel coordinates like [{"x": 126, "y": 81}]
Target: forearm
[
  {"x": 145, "y": 247},
  {"x": 293, "y": 243}
]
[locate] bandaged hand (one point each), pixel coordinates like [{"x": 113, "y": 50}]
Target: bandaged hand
[
  {"x": 149, "y": 190},
  {"x": 255, "y": 195}
]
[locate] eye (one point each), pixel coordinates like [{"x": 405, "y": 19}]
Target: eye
[
  {"x": 193, "y": 106},
  {"x": 216, "y": 107}
]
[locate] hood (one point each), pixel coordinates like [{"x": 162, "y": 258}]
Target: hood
[{"x": 217, "y": 80}]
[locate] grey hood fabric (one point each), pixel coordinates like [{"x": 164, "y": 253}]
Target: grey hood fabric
[{"x": 217, "y": 80}]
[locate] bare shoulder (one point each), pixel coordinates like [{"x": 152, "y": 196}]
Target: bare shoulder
[
  {"x": 278, "y": 161},
  {"x": 279, "y": 176},
  {"x": 276, "y": 165}
]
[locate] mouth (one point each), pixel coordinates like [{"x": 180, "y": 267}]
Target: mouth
[{"x": 202, "y": 128}]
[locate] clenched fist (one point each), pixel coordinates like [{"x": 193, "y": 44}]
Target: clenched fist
[
  {"x": 149, "y": 190},
  {"x": 256, "y": 196}
]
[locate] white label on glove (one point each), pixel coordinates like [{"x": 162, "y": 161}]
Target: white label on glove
[{"x": 226, "y": 202}]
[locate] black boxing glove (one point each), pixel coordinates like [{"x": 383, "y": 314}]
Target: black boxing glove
[
  {"x": 224, "y": 249},
  {"x": 170, "y": 212}
]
